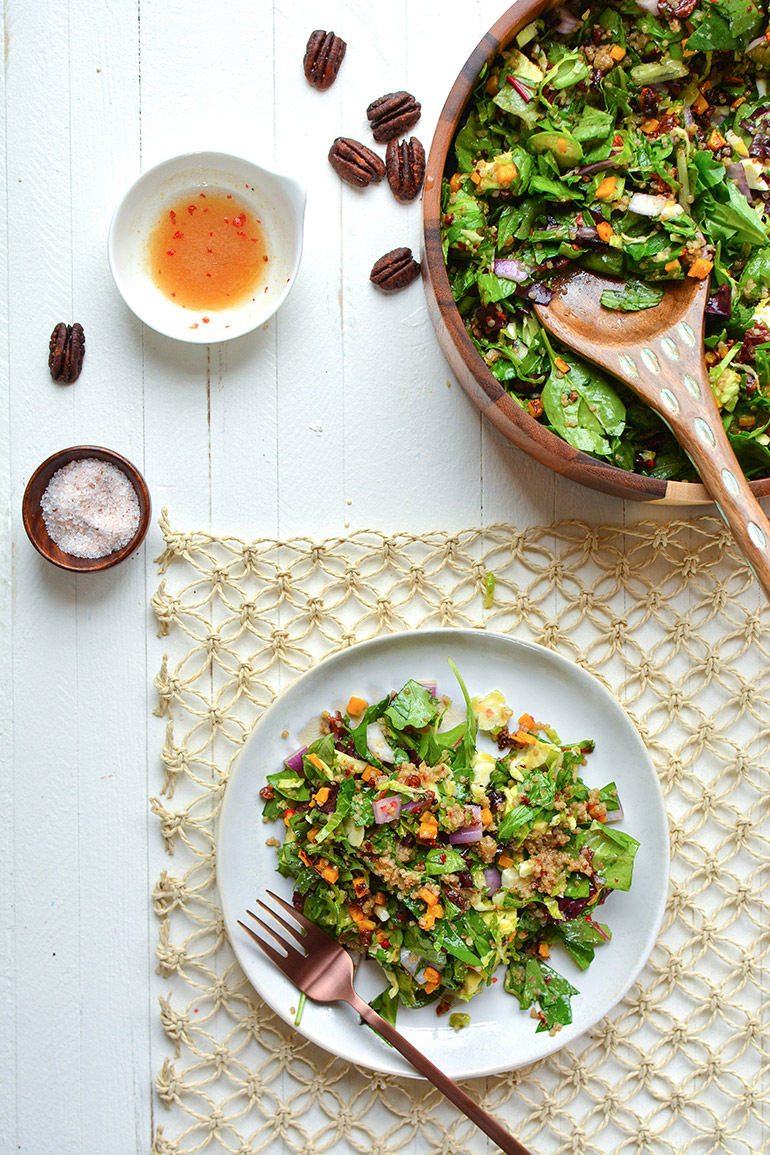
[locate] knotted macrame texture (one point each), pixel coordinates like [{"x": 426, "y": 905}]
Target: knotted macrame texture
[{"x": 668, "y": 618}]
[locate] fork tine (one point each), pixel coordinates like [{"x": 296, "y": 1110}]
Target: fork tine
[
  {"x": 278, "y": 958},
  {"x": 287, "y": 946},
  {"x": 292, "y": 930},
  {"x": 296, "y": 914}
]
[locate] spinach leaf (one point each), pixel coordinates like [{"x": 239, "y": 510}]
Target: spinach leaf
[
  {"x": 443, "y": 860},
  {"x": 595, "y": 413},
  {"x": 290, "y": 785},
  {"x": 724, "y": 24},
  {"x": 553, "y": 190},
  {"x": 493, "y": 288},
  {"x": 581, "y": 936},
  {"x": 452, "y": 942},
  {"x": 519, "y": 822},
  {"x": 609, "y": 796},
  {"x": 713, "y": 32},
  {"x": 594, "y": 124},
  {"x": 510, "y": 101},
  {"x": 731, "y": 219},
  {"x": 535, "y": 982},
  {"x": 613, "y": 854},
  {"x": 634, "y": 296},
  {"x": 413, "y": 706}
]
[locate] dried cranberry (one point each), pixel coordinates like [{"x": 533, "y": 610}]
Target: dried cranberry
[
  {"x": 496, "y": 798},
  {"x": 757, "y": 335},
  {"x": 504, "y": 739},
  {"x": 681, "y": 9},
  {"x": 649, "y": 100}
]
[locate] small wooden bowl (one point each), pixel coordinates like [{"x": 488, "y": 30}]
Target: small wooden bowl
[
  {"x": 469, "y": 368},
  {"x": 33, "y": 514}
]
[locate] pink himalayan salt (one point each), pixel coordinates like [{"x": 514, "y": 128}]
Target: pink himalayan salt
[{"x": 90, "y": 508}]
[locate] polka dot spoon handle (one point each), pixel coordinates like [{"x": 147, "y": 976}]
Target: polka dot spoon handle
[{"x": 658, "y": 353}]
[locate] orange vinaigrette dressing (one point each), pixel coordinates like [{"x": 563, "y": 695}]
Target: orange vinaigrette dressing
[{"x": 208, "y": 252}]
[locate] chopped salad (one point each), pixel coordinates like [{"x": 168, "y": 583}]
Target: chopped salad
[
  {"x": 445, "y": 847},
  {"x": 634, "y": 139}
]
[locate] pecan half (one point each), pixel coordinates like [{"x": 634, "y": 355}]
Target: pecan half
[
  {"x": 323, "y": 57},
  {"x": 395, "y": 270},
  {"x": 392, "y": 115},
  {"x": 66, "y": 351},
  {"x": 405, "y": 166},
  {"x": 355, "y": 163}
]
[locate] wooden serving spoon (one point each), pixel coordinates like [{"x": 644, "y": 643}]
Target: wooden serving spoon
[{"x": 658, "y": 352}]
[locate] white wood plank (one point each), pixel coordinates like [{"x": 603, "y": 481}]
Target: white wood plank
[
  {"x": 8, "y": 865},
  {"x": 111, "y": 615},
  {"x": 46, "y": 946}
]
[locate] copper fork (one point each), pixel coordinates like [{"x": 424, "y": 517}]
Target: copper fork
[{"x": 325, "y": 974}]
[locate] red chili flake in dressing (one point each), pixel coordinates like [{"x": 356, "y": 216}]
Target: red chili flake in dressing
[
  {"x": 205, "y": 320},
  {"x": 191, "y": 209}
]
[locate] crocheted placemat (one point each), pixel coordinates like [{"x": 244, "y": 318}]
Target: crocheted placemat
[{"x": 669, "y": 620}]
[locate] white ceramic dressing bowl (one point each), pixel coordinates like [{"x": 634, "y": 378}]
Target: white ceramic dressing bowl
[{"x": 277, "y": 201}]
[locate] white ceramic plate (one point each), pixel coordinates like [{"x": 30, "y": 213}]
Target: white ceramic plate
[
  {"x": 278, "y": 202},
  {"x": 534, "y": 680}
]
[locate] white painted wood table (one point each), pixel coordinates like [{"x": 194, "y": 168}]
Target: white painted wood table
[{"x": 340, "y": 413}]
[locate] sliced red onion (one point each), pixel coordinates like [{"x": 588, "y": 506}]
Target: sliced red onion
[
  {"x": 493, "y": 879},
  {"x": 511, "y": 270},
  {"x": 431, "y": 687},
  {"x": 647, "y": 205},
  {"x": 756, "y": 43},
  {"x": 412, "y": 806},
  {"x": 375, "y": 740},
  {"x": 567, "y": 23},
  {"x": 410, "y": 961},
  {"x": 294, "y": 761},
  {"x": 616, "y": 815},
  {"x": 649, "y": 6},
  {"x": 598, "y": 166},
  {"x": 522, "y": 89},
  {"x": 470, "y": 833},
  {"x": 737, "y": 173},
  {"x": 386, "y": 809},
  {"x": 466, "y": 834}
]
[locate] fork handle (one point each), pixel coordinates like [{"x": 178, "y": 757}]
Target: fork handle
[{"x": 475, "y": 1113}]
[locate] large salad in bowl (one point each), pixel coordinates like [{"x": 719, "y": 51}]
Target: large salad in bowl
[{"x": 633, "y": 139}]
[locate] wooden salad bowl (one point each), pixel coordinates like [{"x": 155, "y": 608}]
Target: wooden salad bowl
[{"x": 469, "y": 368}]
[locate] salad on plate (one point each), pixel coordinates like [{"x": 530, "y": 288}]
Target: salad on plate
[
  {"x": 633, "y": 139},
  {"x": 447, "y": 845}
]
